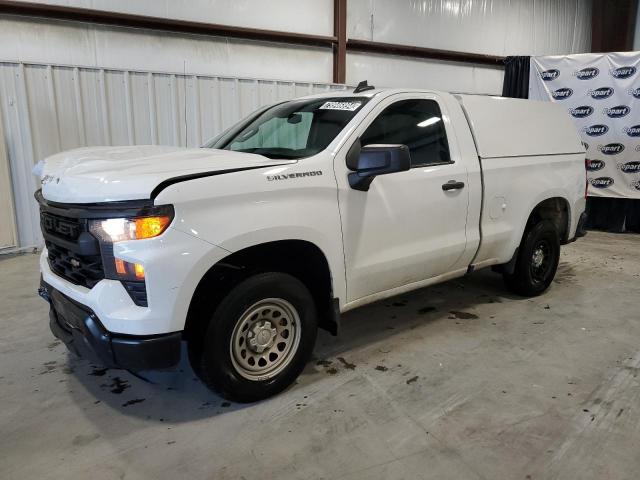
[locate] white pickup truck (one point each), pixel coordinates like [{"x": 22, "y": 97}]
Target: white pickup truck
[{"x": 302, "y": 211}]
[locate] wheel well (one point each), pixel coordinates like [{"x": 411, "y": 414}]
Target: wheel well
[
  {"x": 299, "y": 258},
  {"x": 554, "y": 209}
]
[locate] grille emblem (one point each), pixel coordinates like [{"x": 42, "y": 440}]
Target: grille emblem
[
  {"x": 59, "y": 226},
  {"x": 74, "y": 263}
]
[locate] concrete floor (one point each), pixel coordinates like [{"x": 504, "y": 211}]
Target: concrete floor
[{"x": 459, "y": 381}]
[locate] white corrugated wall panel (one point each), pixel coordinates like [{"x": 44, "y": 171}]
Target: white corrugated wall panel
[
  {"x": 405, "y": 72},
  {"x": 313, "y": 17},
  {"x": 34, "y": 40},
  {"x": 50, "y": 108},
  {"x": 494, "y": 27}
]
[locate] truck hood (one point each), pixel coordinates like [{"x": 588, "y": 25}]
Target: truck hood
[{"x": 106, "y": 174}]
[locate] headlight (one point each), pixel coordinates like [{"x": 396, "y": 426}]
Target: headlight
[
  {"x": 114, "y": 230},
  {"x": 134, "y": 223}
]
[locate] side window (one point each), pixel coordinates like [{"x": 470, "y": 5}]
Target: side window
[{"x": 416, "y": 124}]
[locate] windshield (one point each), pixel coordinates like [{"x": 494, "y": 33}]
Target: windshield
[{"x": 295, "y": 129}]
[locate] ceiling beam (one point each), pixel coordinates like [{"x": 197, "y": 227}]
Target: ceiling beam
[{"x": 423, "y": 52}]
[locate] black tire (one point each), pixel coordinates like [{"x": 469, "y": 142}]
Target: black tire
[
  {"x": 530, "y": 277},
  {"x": 218, "y": 367}
]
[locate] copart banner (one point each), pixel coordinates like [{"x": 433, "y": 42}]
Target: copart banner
[{"x": 601, "y": 93}]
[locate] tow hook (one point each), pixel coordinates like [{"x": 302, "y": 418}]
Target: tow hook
[{"x": 44, "y": 293}]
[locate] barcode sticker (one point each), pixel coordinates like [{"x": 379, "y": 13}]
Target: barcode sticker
[{"x": 348, "y": 106}]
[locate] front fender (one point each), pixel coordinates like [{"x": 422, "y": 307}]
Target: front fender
[
  {"x": 330, "y": 248},
  {"x": 246, "y": 209}
]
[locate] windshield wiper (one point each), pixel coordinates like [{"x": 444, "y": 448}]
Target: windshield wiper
[{"x": 271, "y": 154}]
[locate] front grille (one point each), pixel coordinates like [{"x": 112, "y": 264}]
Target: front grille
[
  {"x": 73, "y": 253},
  {"x": 85, "y": 270}
]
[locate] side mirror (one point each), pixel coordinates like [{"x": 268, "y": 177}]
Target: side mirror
[{"x": 373, "y": 160}]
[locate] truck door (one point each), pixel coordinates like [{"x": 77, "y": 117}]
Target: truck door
[{"x": 409, "y": 226}]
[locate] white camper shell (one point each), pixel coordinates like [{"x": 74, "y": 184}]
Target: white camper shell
[{"x": 510, "y": 127}]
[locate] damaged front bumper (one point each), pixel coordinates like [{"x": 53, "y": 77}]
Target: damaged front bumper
[{"x": 83, "y": 334}]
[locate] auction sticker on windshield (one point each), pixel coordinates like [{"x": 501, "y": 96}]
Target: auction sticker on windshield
[{"x": 349, "y": 106}]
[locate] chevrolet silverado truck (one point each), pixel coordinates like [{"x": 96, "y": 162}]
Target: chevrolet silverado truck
[{"x": 240, "y": 250}]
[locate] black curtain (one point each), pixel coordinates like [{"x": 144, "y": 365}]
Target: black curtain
[
  {"x": 516, "y": 77},
  {"x": 613, "y": 214}
]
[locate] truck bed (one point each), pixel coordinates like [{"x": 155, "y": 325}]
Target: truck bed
[{"x": 528, "y": 151}]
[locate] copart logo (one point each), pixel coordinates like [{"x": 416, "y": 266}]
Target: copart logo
[
  {"x": 623, "y": 72},
  {"x": 587, "y": 73},
  {"x": 629, "y": 167},
  {"x": 611, "y": 148},
  {"x": 601, "y": 93},
  {"x": 581, "y": 112},
  {"x": 549, "y": 75},
  {"x": 601, "y": 182},
  {"x": 594, "y": 165},
  {"x": 632, "y": 131},
  {"x": 595, "y": 130},
  {"x": 617, "y": 112},
  {"x": 562, "y": 93},
  {"x": 291, "y": 176},
  {"x": 634, "y": 92}
]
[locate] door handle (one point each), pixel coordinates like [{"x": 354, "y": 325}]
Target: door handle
[{"x": 452, "y": 185}]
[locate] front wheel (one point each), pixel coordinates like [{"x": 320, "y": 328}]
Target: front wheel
[
  {"x": 259, "y": 338},
  {"x": 537, "y": 261}
]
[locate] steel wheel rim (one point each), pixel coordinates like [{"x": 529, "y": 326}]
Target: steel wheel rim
[
  {"x": 265, "y": 339},
  {"x": 541, "y": 260}
]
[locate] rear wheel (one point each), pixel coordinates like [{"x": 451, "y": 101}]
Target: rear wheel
[
  {"x": 259, "y": 338},
  {"x": 537, "y": 261}
]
